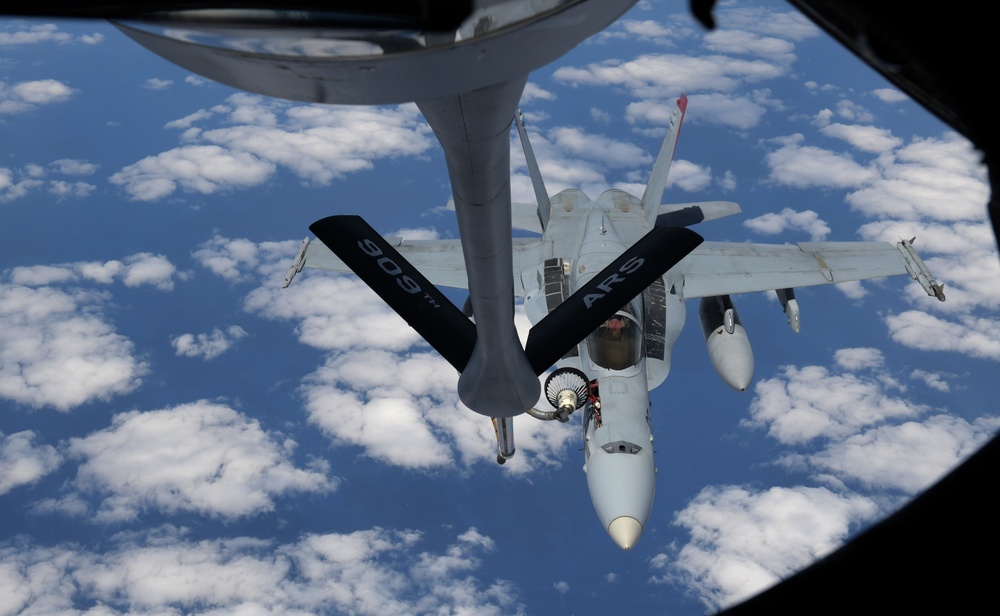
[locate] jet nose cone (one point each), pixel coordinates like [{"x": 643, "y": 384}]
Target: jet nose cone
[
  {"x": 625, "y": 531},
  {"x": 622, "y": 487}
]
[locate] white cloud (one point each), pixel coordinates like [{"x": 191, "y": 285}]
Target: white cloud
[
  {"x": 935, "y": 178},
  {"x": 742, "y": 42},
  {"x": 62, "y": 189},
  {"x": 366, "y": 572},
  {"x": 969, "y": 335},
  {"x": 646, "y": 29},
  {"x": 889, "y": 95},
  {"x": 135, "y": 270},
  {"x": 666, "y": 75},
  {"x": 20, "y": 33},
  {"x": 849, "y": 110},
  {"x": 788, "y": 219},
  {"x": 931, "y": 379},
  {"x": 146, "y": 268},
  {"x": 259, "y": 136},
  {"x": 866, "y": 138},
  {"x": 689, "y": 176},
  {"x": 202, "y": 457},
  {"x": 561, "y": 586},
  {"x": 740, "y": 112},
  {"x": 801, "y": 404},
  {"x": 532, "y": 91},
  {"x": 156, "y": 83},
  {"x": 239, "y": 259},
  {"x": 906, "y": 457},
  {"x": 204, "y": 169},
  {"x": 790, "y": 25},
  {"x": 70, "y": 166},
  {"x": 727, "y": 182},
  {"x": 743, "y": 541},
  {"x": 208, "y": 346},
  {"x": 859, "y": 358},
  {"x": 403, "y": 409},
  {"x": 41, "y": 275},
  {"x": 11, "y": 189},
  {"x": 852, "y": 289},
  {"x": 801, "y": 166},
  {"x": 26, "y": 95},
  {"x": 15, "y": 184},
  {"x": 610, "y": 152},
  {"x": 23, "y": 462},
  {"x": 55, "y": 349}
]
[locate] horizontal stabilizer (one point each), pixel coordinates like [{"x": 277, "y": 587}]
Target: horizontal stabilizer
[
  {"x": 400, "y": 285},
  {"x": 599, "y": 299},
  {"x": 687, "y": 214}
]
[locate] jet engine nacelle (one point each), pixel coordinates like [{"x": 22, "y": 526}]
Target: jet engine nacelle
[{"x": 728, "y": 345}]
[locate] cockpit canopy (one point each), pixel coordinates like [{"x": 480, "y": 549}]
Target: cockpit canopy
[{"x": 617, "y": 343}]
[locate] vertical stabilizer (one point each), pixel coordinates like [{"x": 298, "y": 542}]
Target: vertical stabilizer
[
  {"x": 653, "y": 195},
  {"x": 536, "y": 176}
]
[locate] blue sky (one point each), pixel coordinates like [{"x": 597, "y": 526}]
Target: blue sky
[{"x": 180, "y": 435}]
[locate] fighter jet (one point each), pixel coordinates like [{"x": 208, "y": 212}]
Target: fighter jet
[{"x": 604, "y": 288}]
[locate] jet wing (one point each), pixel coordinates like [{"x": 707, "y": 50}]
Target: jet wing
[
  {"x": 723, "y": 268},
  {"x": 440, "y": 261}
]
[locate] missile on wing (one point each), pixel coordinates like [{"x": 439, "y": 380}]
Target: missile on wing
[{"x": 728, "y": 345}]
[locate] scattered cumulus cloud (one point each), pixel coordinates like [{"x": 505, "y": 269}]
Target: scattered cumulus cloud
[
  {"x": 743, "y": 42},
  {"x": 969, "y": 335},
  {"x": 688, "y": 176},
  {"x": 610, "y": 152},
  {"x": 26, "y": 96},
  {"x": 865, "y": 138},
  {"x": 255, "y": 137},
  {"x": 743, "y": 541},
  {"x": 22, "y": 461},
  {"x": 802, "y": 404},
  {"x": 239, "y": 259},
  {"x": 889, "y": 95},
  {"x": 57, "y": 350},
  {"x": 70, "y": 166},
  {"x": 20, "y": 33},
  {"x": 666, "y": 75},
  {"x": 844, "y": 427},
  {"x": 365, "y": 572},
  {"x": 804, "y": 166},
  {"x": 18, "y": 183},
  {"x": 156, "y": 83},
  {"x": 859, "y": 358},
  {"x": 907, "y": 457},
  {"x": 931, "y": 379},
  {"x": 934, "y": 178},
  {"x": 208, "y": 346},
  {"x": 533, "y": 91},
  {"x": 790, "y": 220},
  {"x": 202, "y": 457},
  {"x": 403, "y": 409},
  {"x": 139, "y": 269}
]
